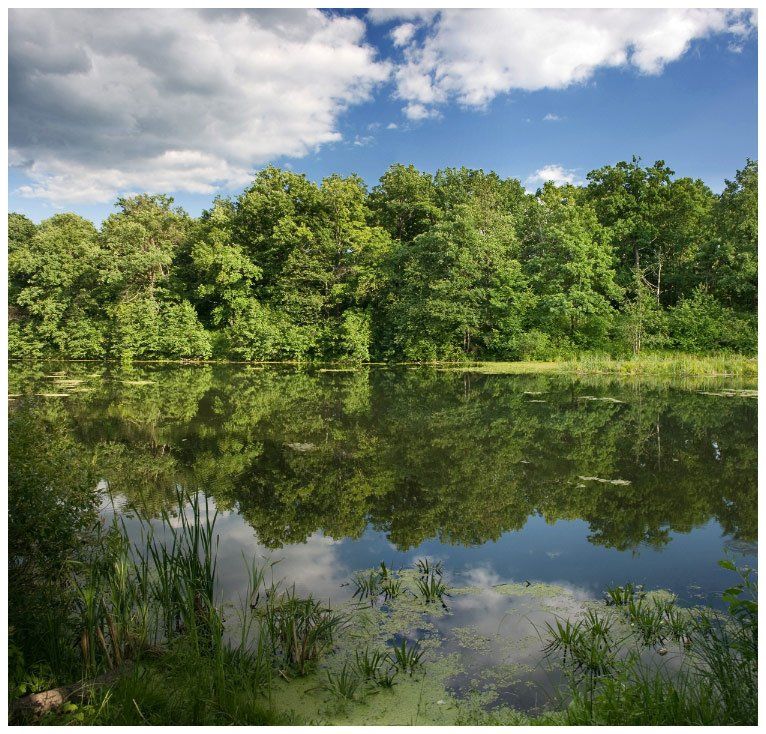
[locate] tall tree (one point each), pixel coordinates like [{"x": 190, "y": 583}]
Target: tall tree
[
  {"x": 405, "y": 202},
  {"x": 150, "y": 319},
  {"x": 55, "y": 274},
  {"x": 569, "y": 258},
  {"x": 730, "y": 265},
  {"x": 657, "y": 224}
]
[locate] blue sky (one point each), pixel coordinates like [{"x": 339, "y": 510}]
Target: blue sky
[{"x": 695, "y": 106}]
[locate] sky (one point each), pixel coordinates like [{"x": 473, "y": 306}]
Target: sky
[{"x": 104, "y": 103}]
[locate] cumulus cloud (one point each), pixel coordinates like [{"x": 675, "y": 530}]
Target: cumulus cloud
[
  {"x": 402, "y": 34},
  {"x": 108, "y": 101},
  {"x": 552, "y": 172},
  {"x": 471, "y": 56},
  {"x": 386, "y": 15}
]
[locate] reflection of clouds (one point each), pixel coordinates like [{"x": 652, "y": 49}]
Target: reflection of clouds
[
  {"x": 504, "y": 634},
  {"x": 481, "y": 576},
  {"x": 314, "y": 566}
]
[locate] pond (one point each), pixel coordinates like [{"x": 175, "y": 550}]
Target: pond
[{"x": 533, "y": 491}]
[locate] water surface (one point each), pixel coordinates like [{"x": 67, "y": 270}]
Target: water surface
[{"x": 574, "y": 481}]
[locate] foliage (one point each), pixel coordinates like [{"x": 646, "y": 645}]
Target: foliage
[
  {"x": 459, "y": 265},
  {"x": 52, "y": 521}
]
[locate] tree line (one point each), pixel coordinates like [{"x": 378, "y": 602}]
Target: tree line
[{"x": 459, "y": 264}]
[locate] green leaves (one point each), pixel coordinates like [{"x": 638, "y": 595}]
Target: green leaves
[{"x": 458, "y": 265}]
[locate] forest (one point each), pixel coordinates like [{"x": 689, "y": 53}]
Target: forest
[{"x": 458, "y": 265}]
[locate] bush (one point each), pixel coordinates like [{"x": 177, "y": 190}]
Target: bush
[
  {"x": 52, "y": 518},
  {"x": 183, "y": 336},
  {"x": 702, "y": 324},
  {"x": 355, "y": 337}
]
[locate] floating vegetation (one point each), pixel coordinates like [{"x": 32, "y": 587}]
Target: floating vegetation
[
  {"x": 138, "y": 382},
  {"x": 604, "y": 399},
  {"x": 52, "y": 394},
  {"x": 605, "y": 481},
  {"x": 302, "y": 446},
  {"x": 731, "y": 393}
]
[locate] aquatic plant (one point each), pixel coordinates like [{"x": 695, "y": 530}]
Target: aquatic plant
[
  {"x": 648, "y": 622},
  {"x": 375, "y": 667},
  {"x": 406, "y": 658},
  {"x": 715, "y": 681},
  {"x": 391, "y": 588},
  {"x": 300, "y": 629},
  {"x": 367, "y": 585},
  {"x": 621, "y": 596},
  {"x": 431, "y": 588},
  {"x": 426, "y": 567},
  {"x": 344, "y": 686}
]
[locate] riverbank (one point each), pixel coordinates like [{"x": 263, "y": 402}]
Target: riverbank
[{"x": 662, "y": 364}]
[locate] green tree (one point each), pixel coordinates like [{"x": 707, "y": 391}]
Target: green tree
[
  {"x": 730, "y": 265},
  {"x": 569, "y": 259},
  {"x": 457, "y": 289},
  {"x": 657, "y": 224},
  {"x": 150, "y": 319},
  {"x": 55, "y": 272},
  {"x": 405, "y": 202}
]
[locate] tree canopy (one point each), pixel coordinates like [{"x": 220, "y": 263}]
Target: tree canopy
[{"x": 461, "y": 264}]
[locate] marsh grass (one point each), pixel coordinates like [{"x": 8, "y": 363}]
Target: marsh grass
[
  {"x": 368, "y": 585},
  {"x": 375, "y": 667},
  {"x": 431, "y": 589},
  {"x": 345, "y": 685}
]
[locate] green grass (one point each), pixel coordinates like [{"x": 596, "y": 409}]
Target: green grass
[{"x": 670, "y": 364}]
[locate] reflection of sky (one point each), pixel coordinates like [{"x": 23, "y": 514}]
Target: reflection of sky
[{"x": 558, "y": 553}]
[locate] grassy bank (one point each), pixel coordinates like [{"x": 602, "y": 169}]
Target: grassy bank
[
  {"x": 665, "y": 364},
  {"x": 660, "y": 365}
]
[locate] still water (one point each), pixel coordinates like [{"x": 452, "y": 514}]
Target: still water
[{"x": 571, "y": 481}]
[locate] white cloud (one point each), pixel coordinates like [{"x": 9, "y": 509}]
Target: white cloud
[
  {"x": 417, "y": 111},
  {"x": 471, "y": 56},
  {"x": 106, "y": 101},
  {"x": 392, "y": 126},
  {"x": 402, "y": 34},
  {"x": 552, "y": 172},
  {"x": 362, "y": 140},
  {"x": 386, "y": 15},
  {"x": 552, "y": 117}
]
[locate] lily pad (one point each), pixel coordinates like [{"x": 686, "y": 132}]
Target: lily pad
[{"x": 605, "y": 481}]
